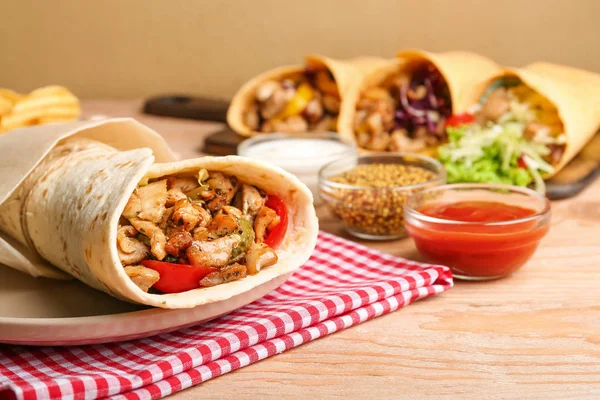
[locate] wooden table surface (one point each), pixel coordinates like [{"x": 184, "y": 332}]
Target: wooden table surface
[{"x": 533, "y": 335}]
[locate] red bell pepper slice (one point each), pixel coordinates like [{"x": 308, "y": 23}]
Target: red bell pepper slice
[
  {"x": 177, "y": 278},
  {"x": 460, "y": 119},
  {"x": 275, "y": 235}
]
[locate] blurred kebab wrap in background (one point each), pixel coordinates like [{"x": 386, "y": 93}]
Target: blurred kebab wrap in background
[
  {"x": 88, "y": 199},
  {"x": 524, "y": 126},
  {"x": 403, "y": 105},
  {"x": 296, "y": 99}
]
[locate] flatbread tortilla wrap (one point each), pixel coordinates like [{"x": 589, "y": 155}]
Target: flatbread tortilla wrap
[
  {"x": 296, "y": 99},
  {"x": 528, "y": 124},
  {"x": 403, "y": 105},
  {"x": 81, "y": 217},
  {"x": 27, "y": 155}
]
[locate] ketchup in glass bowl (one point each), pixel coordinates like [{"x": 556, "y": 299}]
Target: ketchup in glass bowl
[{"x": 480, "y": 231}]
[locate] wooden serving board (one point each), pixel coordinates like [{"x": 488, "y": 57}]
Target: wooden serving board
[
  {"x": 179, "y": 106},
  {"x": 571, "y": 180},
  {"x": 577, "y": 174},
  {"x": 223, "y": 143}
]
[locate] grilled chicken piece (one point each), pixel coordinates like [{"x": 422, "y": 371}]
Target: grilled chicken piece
[
  {"x": 222, "y": 224},
  {"x": 379, "y": 141},
  {"x": 331, "y": 104},
  {"x": 131, "y": 250},
  {"x": 203, "y": 213},
  {"x": 556, "y": 153},
  {"x": 233, "y": 211},
  {"x": 252, "y": 118},
  {"x": 374, "y": 123},
  {"x": 182, "y": 184},
  {"x": 314, "y": 110},
  {"x": 204, "y": 216},
  {"x": 229, "y": 273},
  {"x": 326, "y": 83},
  {"x": 266, "y": 219},
  {"x": 153, "y": 198},
  {"x": 259, "y": 256},
  {"x": 496, "y": 105},
  {"x": 186, "y": 215},
  {"x": 165, "y": 222},
  {"x": 276, "y": 102},
  {"x": 178, "y": 243},
  {"x": 386, "y": 109},
  {"x": 201, "y": 234},
  {"x": 266, "y": 90},
  {"x": 133, "y": 207},
  {"x": 363, "y": 139},
  {"x": 215, "y": 253},
  {"x": 399, "y": 141},
  {"x": 397, "y": 84},
  {"x": 375, "y": 93},
  {"x": 249, "y": 200},
  {"x": 173, "y": 196},
  {"x": 326, "y": 124},
  {"x": 156, "y": 235},
  {"x": 360, "y": 117},
  {"x": 143, "y": 277},
  {"x": 224, "y": 189},
  {"x": 422, "y": 133},
  {"x": 375, "y": 111},
  {"x": 293, "y": 124}
]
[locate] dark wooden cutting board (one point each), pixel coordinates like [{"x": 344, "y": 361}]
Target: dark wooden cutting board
[
  {"x": 223, "y": 143},
  {"x": 179, "y": 106},
  {"x": 571, "y": 180},
  {"x": 577, "y": 174}
]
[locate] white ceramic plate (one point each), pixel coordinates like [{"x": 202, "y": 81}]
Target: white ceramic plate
[{"x": 39, "y": 311}]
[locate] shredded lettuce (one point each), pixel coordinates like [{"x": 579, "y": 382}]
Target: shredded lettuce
[
  {"x": 491, "y": 153},
  {"x": 202, "y": 176}
]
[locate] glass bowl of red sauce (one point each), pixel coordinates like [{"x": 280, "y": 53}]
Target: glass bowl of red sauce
[{"x": 480, "y": 231}]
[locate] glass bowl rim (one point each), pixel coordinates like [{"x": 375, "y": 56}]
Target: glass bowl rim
[
  {"x": 440, "y": 173},
  {"x": 323, "y": 135},
  {"x": 410, "y": 211}
]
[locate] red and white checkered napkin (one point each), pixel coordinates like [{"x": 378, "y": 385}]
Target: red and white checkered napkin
[{"x": 342, "y": 285}]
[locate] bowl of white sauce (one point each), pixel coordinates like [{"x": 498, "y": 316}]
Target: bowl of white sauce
[{"x": 302, "y": 154}]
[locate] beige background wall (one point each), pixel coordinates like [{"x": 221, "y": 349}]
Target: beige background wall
[{"x": 128, "y": 48}]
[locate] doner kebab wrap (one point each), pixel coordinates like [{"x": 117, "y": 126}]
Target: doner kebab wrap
[
  {"x": 403, "y": 105},
  {"x": 524, "y": 126},
  {"x": 87, "y": 200},
  {"x": 296, "y": 99}
]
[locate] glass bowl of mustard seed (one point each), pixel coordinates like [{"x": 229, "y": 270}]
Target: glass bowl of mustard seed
[{"x": 367, "y": 193}]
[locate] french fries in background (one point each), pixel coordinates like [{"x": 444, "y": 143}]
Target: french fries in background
[{"x": 48, "y": 104}]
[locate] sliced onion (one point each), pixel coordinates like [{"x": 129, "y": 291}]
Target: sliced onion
[
  {"x": 430, "y": 94},
  {"x": 413, "y": 112},
  {"x": 432, "y": 117}
]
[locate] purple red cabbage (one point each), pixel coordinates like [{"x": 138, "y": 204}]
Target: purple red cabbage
[
  {"x": 428, "y": 111},
  {"x": 430, "y": 93}
]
